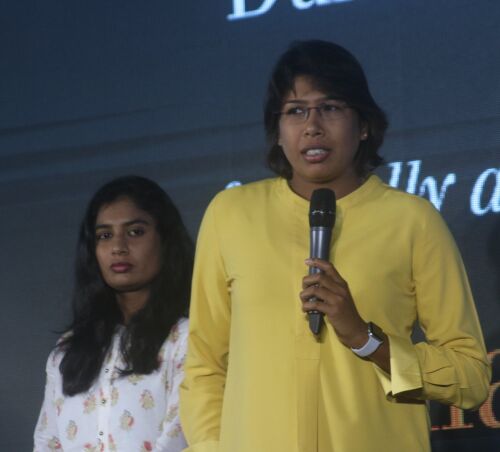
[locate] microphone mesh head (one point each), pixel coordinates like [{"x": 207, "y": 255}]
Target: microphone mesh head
[{"x": 322, "y": 208}]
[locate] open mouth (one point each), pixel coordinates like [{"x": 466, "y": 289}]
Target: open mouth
[
  {"x": 316, "y": 155},
  {"x": 315, "y": 152}
]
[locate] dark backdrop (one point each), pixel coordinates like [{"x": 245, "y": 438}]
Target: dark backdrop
[{"x": 173, "y": 89}]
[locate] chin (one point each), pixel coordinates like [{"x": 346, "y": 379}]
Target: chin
[
  {"x": 124, "y": 287},
  {"x": 322, "y": 179}
]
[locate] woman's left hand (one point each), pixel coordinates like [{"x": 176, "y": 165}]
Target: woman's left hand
[{"x": 335, "y": 301}]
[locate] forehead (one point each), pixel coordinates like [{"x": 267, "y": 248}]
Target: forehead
[
  {"x": 121, "y": 210},
  {"x": 305, "y": 87}
]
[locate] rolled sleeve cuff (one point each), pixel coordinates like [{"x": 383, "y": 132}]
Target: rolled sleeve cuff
[
  {"x": 405, "y": 369},
  {"x": 205, "y": 446}
]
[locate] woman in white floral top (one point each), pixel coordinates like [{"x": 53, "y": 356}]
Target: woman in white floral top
[{"x": 112, "y": 380}]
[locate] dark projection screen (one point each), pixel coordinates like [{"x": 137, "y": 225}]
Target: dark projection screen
[{"x": 173, "y": 90}]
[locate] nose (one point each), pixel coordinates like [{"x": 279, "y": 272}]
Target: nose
[
  {"x": 314, "y": 122},
  {"x": 119, "y": 245}
]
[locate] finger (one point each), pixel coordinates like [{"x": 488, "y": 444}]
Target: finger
[
  {"x": 326, "y": 267},
  {"x": 321, "y": 279},
  {"x": 311, "y": 280},
  {"x": 324, "y": 294},
  {"x": 316, "y": 305}
]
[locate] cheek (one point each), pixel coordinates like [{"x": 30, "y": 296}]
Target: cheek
[
  {"x": 347, "y": 137},
  {"x": 156, "y": 262},
  {"x": 357, "y": 129},
  {"x": 283, "y": 136},
  {"x": 153, "y": 259},
  {"x": 100, "y": 256},
  {"x": 285, "y": 140},
  {"x": 280, "y": 137}
]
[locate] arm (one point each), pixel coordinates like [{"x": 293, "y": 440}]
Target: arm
[
  {"x": 202, "y": 390},
  {"x": 171, "y": 438},
  {"x": 451, "y": 366},
  {"x": 332, "y": 297},
  {"x": 46, "y": 428}
]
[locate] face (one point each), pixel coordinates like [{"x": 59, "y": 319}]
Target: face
[
  {"x": 128, "y": 246},
  {"x": 321, "y": 149}
]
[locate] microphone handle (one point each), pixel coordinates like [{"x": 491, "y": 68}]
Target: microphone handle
[{"x": 320, "y": 238}]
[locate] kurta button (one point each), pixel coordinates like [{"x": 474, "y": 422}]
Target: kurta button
[
  {"x": 103, "y": 401},
  {"x": 106, "y": 370},
  {"x": 101, "y": 433}
]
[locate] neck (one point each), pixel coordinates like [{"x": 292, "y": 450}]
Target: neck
[
  {"x": 131, "y": 302},
  {"x": 341, "y": 188}
]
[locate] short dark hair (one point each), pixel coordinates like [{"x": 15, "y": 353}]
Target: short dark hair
[
  {"x": 95, "y": 309},
  {"x": 335, "y": 71}
]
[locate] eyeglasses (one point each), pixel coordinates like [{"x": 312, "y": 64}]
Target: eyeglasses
[{"x": 328, "y": 111}]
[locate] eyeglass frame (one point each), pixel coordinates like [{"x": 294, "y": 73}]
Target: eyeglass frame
[{"x": 319, "y": 108}]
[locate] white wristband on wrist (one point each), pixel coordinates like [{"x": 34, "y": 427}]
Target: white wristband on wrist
[{"x": 375, "y": 340}]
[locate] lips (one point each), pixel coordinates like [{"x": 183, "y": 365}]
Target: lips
[
  {"x": 121, "y": 267},
  {"x": 315, "y": 154}
]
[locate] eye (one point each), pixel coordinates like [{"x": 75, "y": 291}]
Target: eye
[
  {"x": 329, "y": 108},
  {"x": 136, "y": 232},
  {"x": 295, "y": 111},
  {"x": 104, "y": 235}
]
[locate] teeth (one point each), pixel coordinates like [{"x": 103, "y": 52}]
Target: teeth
[{"x": 312, "y": 152}]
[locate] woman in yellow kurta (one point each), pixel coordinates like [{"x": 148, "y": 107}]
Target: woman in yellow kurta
[{"x": 257, "y": 379}]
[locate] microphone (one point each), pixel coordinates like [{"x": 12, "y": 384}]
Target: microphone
[{"x": 321, "y": 221}]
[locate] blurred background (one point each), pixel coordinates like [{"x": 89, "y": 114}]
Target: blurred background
[{"x": 173, "y": 90}]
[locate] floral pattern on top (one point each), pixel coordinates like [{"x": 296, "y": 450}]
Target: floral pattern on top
[
  {"x": 147, "y": 400},
  {"x": 71, "y": 430},
  {"x": 135, "y": 413}
]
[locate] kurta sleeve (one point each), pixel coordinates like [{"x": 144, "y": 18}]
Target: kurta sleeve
[
  {"x": 206, "y": 363},
  {"x": 46, "y": 431},
  {"x": 451, "y": 366},
  {"x": 171, "y": 438}
]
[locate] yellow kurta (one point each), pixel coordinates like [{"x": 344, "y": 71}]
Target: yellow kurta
[{"x": 257, "y": 380}]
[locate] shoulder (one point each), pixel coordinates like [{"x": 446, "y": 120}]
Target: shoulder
[
  {"x": 173, "y": 351},
  {"x": 177, "y": 337},
  {"x": 403, "y": 204},
  {"x": 407, "y": 212},
  {"x": 63, "y": 339},
  {"x": 245, "y": 195},
  {"x": 230, "y": 209},
  {"x": 60, "y": 347},
  {"x": 56, "y": 355},
  {"x": 180, "y": 330},
  {"x": 402, "y": 198}
]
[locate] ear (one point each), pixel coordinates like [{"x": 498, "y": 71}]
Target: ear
[{"x": 364, "y": 132}]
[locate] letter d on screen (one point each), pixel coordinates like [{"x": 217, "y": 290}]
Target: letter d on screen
[{"x": 240, "y": 11}]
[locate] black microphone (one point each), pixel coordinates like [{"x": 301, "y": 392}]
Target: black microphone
[{"x": 321, "y": 221}]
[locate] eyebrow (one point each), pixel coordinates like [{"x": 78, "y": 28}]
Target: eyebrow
[
  {"x": 126, "y": 223},
  {"x": 301, "y": 101}
]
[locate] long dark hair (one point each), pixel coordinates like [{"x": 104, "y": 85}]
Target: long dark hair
[
  {"x": 336, "y": 72},
  {"x": 95, "y": 310}
]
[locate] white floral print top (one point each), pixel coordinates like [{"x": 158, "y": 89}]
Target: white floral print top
[{"x": 137, "y": 413}]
